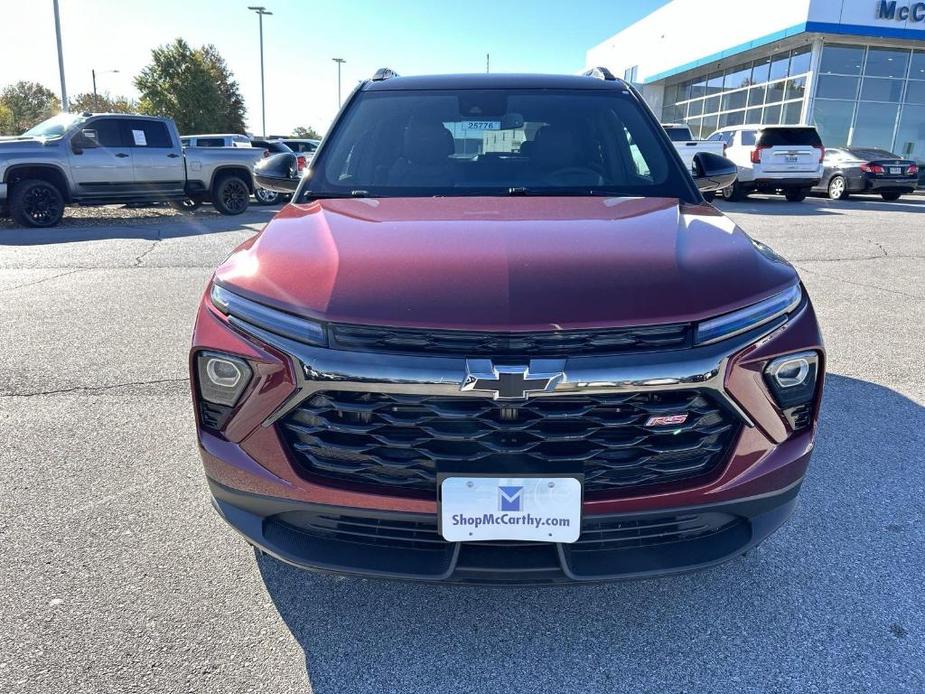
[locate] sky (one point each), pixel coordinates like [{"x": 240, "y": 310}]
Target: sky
[{"x": 300, "y": 39}]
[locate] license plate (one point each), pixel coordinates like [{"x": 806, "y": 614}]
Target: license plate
[
  {"x": 791, "y": 159},
  {"x": 541, "y": 509},
  {"x": 896, "y": 170}
]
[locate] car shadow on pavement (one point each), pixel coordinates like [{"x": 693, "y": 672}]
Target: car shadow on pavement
[
  {"x": 832, "y": 599},
  {"x": 150, "y": 224},
  {"x": 776, "y": 205}
]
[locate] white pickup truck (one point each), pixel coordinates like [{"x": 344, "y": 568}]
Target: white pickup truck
[{"x": 683, "y": 141}]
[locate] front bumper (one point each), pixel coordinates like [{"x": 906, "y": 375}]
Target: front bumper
[
  {"x": 406, "y": 546},
  {"x": 259, "y": 489}
]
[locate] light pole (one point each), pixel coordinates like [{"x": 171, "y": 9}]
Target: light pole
[
  {"x": 339, "y": 61},
  {"x": 261, "y": 11},
  {"x": 96, "y": 99},
  {"x": 60, "y": 56}
]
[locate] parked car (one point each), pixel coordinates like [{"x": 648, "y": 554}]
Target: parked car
[
  {"x": 100, "y": 159},
  {"x": 302, "y": 146},
  {"x": 262, "y": 195},
  {"x": 215, "y": 141},
  {"x": 555, "y": 366},
  {"x": 866, "y": 170},
  {"x": 773, "y": 159},
  {"x": 683, "y": 141}
]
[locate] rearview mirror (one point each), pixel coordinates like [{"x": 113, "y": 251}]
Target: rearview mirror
[
  {"x": 278, "y": 172},
  {"x": 713, "y": 172}
]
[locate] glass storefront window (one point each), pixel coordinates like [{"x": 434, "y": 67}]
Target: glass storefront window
[
  {"x": 792, "y": 112},
  {"x": 880, "y": 89},
  {"x": 695, "y": 108},
  {"x": 886, "y": 62},
  {"x": 779, "y": 64},
  {"x": 795, "y": 88},
  {"x": 835, "y": 87},
  {"x": 734, "y": 100},
  {"x": 699, "y": 89},
  {"x": 841, "y": 60},
  {"x": 753, "y": 115},
  {"x": 910, "y": 136},
  {"x": 771, "y": 115},
  {"x": 915, "y": 92},
  {"x": 756, "y": 95},
  {"x": 874, "y": 125},
  {"x": 715, "y": 83},
  {"x": 732, "y": 118},
  {"x": 833, "y": 121},
  {"x": 917, "y": 69},
  {"x": 738, "y": 76},
  {"x": 775, "y": 92},
  {"x": 799, "y": 61},
  {"x": 761, "y": 70},
  {"x": 710, "y": 125},
  {"x": 711, "y": 105}
]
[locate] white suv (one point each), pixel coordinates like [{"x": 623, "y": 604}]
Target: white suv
[{"x": 773, "y": 159}]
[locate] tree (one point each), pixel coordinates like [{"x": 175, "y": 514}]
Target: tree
[
  {"x": 194, "y": 87},
  {"x": 6, "y": 120},
  {"x": 27, "y": 103},
  {"x": 102, "y": 103},
  {"x": 308, "y": 133}
]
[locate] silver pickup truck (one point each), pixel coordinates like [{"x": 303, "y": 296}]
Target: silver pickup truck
[{"x": 106, "y": 158}]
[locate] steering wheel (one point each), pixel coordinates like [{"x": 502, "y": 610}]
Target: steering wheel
[{"x": 574, "y": 175}]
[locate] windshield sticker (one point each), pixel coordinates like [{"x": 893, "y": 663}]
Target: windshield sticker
[
  {"x": 139, "y": 136},
  {"x": 481, "y": 125}
]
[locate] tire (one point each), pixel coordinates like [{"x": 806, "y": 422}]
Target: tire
[
  {"x": 838, "y": 188},
  {"x": 890, "y": 197},
  {"x": 36, "y": 203},
  {"x": 185, "y": 205},
  {"x": 733, "y": 193},
  {"x": 231, "y": 196},
  {"x": 709, "y": 196},
  {"x": 795, "y": 194},
  {"x": 264, "y": 196}
]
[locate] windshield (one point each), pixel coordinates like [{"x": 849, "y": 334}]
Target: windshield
[
  {"x": 496, "y": 142},
  {"x": 55, "y": 126}
]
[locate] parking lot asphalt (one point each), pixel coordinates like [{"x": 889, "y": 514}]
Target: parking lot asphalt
[{"x": 117, "y": 576}]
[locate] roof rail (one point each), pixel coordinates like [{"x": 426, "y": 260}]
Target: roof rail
[
  {"x": 600, "y": 73},
  {"x": 384, "y": 73}
]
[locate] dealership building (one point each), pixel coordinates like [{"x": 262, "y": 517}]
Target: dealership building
[{"x": 853, "y": 68}]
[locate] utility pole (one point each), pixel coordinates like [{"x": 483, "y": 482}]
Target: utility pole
[
  {"x": 261, "y": 11},
  {"x": 96, "y": 99},
  {"x": 339, "y": 61},
  {"x": 488, "y": 62},
  {"x": 60, "y": 56}
]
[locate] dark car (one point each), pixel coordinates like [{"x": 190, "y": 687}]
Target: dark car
[
  {"x": 866, "y": 170},
  {"x": 457, "y": 356},
  {"x": 265, "y": 196}
]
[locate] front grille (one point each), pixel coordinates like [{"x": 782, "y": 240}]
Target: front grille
[
  {"x": 597, "y": 533},
  {"x": 366, "y": 338},
  {"x": 394, "y": 441}
]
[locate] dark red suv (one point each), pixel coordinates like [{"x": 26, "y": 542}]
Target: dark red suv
[{"x": 498, "y": 336}]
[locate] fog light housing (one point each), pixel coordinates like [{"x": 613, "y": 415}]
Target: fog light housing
[
  {"x": 792, "y": 381},
  {"x": 222, "y": 377}
]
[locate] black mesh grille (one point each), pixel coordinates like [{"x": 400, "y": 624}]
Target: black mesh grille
[
  {"x": 537, "y": 344},
  {"x": 402, "y": 441}
]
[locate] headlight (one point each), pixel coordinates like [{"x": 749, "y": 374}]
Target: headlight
[
  {"x": 744, "y": 319},
  {"x": 270, "y": 319},
  {"x": 222, "y": 377},
  {"x": 792, "y": 380}
]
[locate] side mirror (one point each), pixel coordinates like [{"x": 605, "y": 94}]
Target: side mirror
[
  {"x": 713, "y": 172},
  {"x": 278, "y": 172}
]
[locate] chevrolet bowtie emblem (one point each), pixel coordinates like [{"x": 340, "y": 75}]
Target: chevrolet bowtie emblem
[{"x": 512, "y": 382}]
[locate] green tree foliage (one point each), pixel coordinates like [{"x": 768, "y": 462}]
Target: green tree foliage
[
  {"x": 103, "y": 103},
  {"x": 26, "y": 103},
  {"x": 308, "y": 133},
  {"x": 194, "y": 87}
]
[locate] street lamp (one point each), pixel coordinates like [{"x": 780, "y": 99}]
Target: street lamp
[
  {"x": 261, "y": 11},
  {"x": 96, "y": 99},
  {"x": 339, "y": 61},
  {"x": 60, "y": 55}
]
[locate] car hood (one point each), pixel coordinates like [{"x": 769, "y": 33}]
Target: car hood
[{"x": 493, "y": 263}]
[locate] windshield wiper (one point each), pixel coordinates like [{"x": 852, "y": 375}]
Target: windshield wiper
[
  {"x": 552, "y": 192},
  {"x": 309, "y": 195}
]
